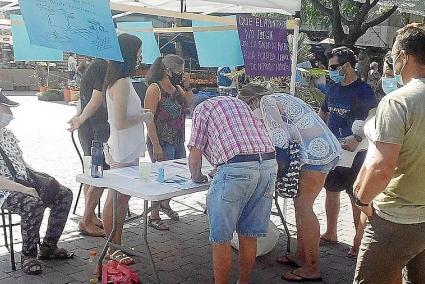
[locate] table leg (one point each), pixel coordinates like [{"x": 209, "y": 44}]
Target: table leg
[
  {"x": 114, "y": 228},
  {"x": 145, "y": 240}
]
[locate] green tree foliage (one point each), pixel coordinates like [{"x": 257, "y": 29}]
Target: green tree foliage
[{"x": 355, "y": 16}]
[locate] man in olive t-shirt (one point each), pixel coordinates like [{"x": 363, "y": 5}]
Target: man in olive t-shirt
[{"x": 395, "y": 180}]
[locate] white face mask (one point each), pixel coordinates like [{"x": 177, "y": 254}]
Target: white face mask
[
  {"x": 5, "y": 119},
  {"x": 257, "y": 113}
]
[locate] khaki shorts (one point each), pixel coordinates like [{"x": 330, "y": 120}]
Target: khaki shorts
[{"x": 388, "y": 248}]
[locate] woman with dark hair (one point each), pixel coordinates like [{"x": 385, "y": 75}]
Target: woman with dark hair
[
  {"x": 168, "y": 96},
  {"x": 126, "y": 142}
]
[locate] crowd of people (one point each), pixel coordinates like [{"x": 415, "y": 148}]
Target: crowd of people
[{"x": 250, "y": 141}]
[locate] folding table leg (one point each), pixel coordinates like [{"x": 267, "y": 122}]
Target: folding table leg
[
  {"x": 145, "y": 240},
  {"x": 283, "y": 220}
]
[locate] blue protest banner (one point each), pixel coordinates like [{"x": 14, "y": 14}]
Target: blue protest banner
[
  {"x": 143, "y": 30},
  {"x": 23, "y": 50},
  {"x": 81, "y": 26},
  {"x": 217, "y": 48}
]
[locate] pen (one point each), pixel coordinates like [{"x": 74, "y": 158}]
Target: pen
[{"x": 180, "y": 163}]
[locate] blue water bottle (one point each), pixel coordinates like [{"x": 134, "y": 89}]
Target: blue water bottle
[
  {"x": 161, "y": 173},
  {"x": 97, "y": 159}
]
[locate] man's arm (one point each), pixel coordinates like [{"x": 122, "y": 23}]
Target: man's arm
[
  {"x": 195, "y": 165},
  {"x": 90, "y": 109},
  {"x": 324, "y": 115},
  {"x": 379, "y": 173}
]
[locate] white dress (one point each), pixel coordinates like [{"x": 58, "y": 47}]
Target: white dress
[{"x": 126, "y": 145}]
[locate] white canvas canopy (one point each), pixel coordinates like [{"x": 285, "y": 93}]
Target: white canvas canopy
[{"x": 200, "y": 10}]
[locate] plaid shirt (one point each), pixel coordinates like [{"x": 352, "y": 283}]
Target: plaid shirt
[{"x": 224, "y": 127}]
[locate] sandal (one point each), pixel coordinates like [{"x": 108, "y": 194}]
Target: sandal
[
  {"x": 158, "y": 224},
  {"x": 324, "y": 241},
  {"x": 53, "y": 252},
  {"x": 285, "y": 260},
  {"x": 169, "y": 212},
  {"x": 121, "y": 257},
  {"x": 299, "y": 278},
  {"x": 96, "y": 232},
  {"x": 30, "y": 265}
]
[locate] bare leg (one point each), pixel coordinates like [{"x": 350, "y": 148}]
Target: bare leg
[
  {"x": 247, "y": 255},
  {"x": 332, "y": 211},
  {"x": 356, "y": 213},
  {"x": 359, "y": 235},
  {"x": 122, "y": 202},
  {"x": 88, "y": 223},
  {"x": 311, "y": 182},
  {"x": 222, "y": 262}
]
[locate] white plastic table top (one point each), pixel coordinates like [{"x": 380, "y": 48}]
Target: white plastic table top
[{"x": 152, "y": 190}]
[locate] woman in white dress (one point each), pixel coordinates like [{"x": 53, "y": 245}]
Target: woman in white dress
[{"x": 126, "y": 142}]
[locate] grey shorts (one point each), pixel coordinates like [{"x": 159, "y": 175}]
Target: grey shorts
[{"x": 388, "y": 248}]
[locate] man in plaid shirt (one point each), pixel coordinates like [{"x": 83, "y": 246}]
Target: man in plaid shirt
[{"x": 226, "y": 131}]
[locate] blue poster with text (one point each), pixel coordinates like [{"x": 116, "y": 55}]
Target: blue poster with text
[
  {"x": 144, "y": 31},
  {"x": 23, "y": 50},
  {"x": 81, "y": 26}
]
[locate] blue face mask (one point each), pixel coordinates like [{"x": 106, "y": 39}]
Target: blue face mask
[
  {"x": 389, "y": 85},
  {"x": 335, "y": 76}
]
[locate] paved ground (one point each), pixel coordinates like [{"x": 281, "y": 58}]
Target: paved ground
[{"x": 183, "y": 255}]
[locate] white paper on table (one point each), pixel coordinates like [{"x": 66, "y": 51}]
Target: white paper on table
[
  {"x": 190, "y": 184},
  {"x": 127, "y": 172}
]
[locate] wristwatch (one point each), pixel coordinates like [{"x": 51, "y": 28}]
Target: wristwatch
[
  {"x": 359, "y": 203},
  {"x": 358, "y": 138}
]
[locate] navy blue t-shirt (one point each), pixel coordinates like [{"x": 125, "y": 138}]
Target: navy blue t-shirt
[{"x": 345, "y": 104}]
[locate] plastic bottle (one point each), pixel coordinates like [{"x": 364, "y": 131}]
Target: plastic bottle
[
  {"x": 92, "y": 269},
  {"x": 97, "y": 158},
  {"x": 161, "y": 172}
]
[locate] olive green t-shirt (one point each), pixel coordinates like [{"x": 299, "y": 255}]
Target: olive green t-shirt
[{"x": 400, "y": 119}]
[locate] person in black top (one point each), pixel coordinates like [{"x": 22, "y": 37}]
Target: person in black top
[
  {"x": 92, "y": 124},
  {"x": 348, "y": 103}
]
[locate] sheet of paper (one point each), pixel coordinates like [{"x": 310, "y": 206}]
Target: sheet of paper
[
  {"x": 127, "y": 172},
  {"x": 23, "y": 50},
  {"x": 83, "y": 27}
]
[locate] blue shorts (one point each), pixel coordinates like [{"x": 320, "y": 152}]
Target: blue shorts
[
  {"x": 325, "y": 169},
  {"x": 240, "y": 199}
]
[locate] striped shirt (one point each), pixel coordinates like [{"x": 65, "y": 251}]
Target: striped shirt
[{"x": 224, "y": 127}]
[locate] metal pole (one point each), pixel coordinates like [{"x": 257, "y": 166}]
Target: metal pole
[
  {"x": 294, "y": 59},
  {"x": 48, "y": 73}
]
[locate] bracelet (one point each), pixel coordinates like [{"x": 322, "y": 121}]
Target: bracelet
[{"x": 359, "y": 203}]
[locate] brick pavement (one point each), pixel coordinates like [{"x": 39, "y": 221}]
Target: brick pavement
[{"x": 183, "y": 254}]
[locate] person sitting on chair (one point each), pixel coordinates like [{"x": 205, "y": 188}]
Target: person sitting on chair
[{"x": 28, "y": 193}]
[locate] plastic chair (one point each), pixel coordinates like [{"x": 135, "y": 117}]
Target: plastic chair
[{"x": 9, "y": 225}]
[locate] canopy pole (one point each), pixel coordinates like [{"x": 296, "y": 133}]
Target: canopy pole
[{"x": 295, "y": 25}]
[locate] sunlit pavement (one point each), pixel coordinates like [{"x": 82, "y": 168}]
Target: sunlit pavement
[{"x": 183, "y": 254}]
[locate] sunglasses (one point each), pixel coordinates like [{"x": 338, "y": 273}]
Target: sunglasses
[{"x": 334, "y": 67}]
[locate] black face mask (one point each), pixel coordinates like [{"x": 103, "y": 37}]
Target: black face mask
[{"x": 176, "y": 78}]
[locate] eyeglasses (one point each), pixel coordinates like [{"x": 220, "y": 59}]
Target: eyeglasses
[{"x": 334, "y": 67}]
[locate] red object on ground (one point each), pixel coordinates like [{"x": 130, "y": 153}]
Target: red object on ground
[
  {"x": 67, "y": 95},
  {"x": 113, "y": 272}
]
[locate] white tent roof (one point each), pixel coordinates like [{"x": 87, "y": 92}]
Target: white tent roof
[
  {"x": 416, "y": 7},
  {"x": 203, "y": 6}
]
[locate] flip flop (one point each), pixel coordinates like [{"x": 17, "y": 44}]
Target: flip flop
[
  {"x": 300, "y": 278},
  {"x": 158, "y": 224},
  {"x": 285, "y": 260},
  {"x": 98, "y": 232},
  {"x": 323, "y": 242}
]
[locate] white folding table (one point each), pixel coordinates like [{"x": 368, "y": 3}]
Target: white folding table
[{"x": 148, "y": 191}]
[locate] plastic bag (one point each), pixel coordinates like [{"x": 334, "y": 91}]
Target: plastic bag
[
  {"x": 264, "y": 245},
  {"x": 113, "y": 272}
]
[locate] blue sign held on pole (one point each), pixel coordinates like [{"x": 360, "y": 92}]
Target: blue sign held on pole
[
  {"x": 217, "y": 48},
  {"x": 23, "y": 50},
  {"x": 84, "y": 26},
  {"x": 150, "y": 49}
]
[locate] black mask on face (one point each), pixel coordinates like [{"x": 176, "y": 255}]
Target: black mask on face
[{"x": 176, "y": 78}]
